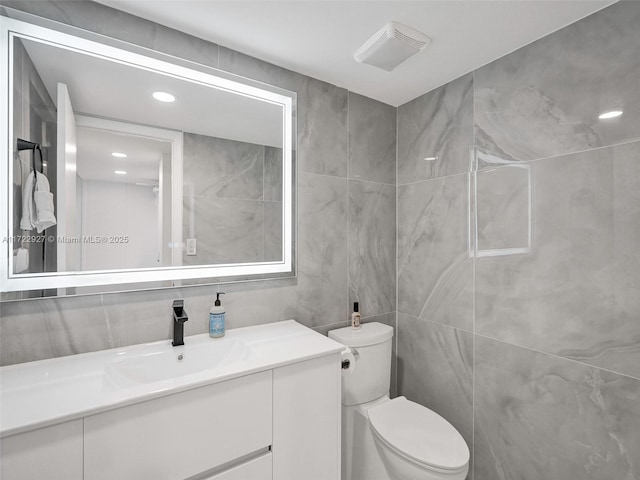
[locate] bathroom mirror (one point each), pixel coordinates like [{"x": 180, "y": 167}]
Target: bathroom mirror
[{"x": 128, "y": 167}]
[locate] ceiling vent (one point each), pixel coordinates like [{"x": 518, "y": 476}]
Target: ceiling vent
[{"x": 391, "y": 45}]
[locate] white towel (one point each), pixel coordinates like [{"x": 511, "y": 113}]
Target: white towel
[{"x": 37, "y": 207}]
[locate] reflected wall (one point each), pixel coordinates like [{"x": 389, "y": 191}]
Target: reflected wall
[{"x": 34, "y": 117}]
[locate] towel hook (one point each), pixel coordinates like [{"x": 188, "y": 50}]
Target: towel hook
[{"x": 27, "y": 145}]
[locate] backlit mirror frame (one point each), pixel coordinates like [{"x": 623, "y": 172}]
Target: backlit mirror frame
[{"x": 12, "y": 28}]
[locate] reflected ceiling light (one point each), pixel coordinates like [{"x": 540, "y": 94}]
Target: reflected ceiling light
[
  {"x": 431, "y": 159},
  {"x": 119, "y": 155},
  {"x": 119, "y": 172},
  {"x": 610, "y": 114},
  {"x": 164, "y": 97}
]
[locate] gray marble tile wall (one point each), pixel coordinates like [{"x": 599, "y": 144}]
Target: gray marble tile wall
[
  {"x": 530, "y": 344},
  {"x": 232, "y": 200},
  {"x": 346, "y": 217}
]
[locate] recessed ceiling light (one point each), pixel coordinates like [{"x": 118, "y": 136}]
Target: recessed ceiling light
[
  {"x": 119, "y": 155},
  {"x": 610, "y": 114},
  {"x": 164, "y": 97},
  {"x": 119, "y": 172},
  {"x": 431, "y": 159}
]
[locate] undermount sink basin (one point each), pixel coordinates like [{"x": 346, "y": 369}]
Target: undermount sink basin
[{"x": 166, "y": 362}]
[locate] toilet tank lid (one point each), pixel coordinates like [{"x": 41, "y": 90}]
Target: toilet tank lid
[{"x": 368, "y": 334}]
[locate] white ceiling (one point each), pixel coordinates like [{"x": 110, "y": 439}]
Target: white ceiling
[
  {"x": 95, "y": 161},
  {"x": 318, "y": 38},
  {"x": 102, "y": 88}
]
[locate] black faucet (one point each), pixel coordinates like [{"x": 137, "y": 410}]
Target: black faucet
[{"x": 179, "y": 317}]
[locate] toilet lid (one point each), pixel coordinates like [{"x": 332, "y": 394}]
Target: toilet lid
[{"x": 419, "y": 434}]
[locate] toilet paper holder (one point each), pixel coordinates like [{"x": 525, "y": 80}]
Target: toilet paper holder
[{"x": 347, "y": 363}]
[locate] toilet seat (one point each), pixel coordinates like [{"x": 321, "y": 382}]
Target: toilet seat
[{"x": 419, "y": 435}]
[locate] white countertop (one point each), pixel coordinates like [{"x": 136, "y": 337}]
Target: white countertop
[{"x": 46, "y": 392}]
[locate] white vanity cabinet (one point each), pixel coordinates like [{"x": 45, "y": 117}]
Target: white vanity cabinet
[
  {"x": 306, "y": 420},
  {"x": 180, "y": 435},
  {"x": 263, "y": 403},
  {"x": 52, "y": 453},
  {"x": 278, "y": 424}
]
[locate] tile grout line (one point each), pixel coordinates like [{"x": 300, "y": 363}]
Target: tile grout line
[
  {"x": 559, "y": 155},
  {"x": 397, "y": 249},
  {"x": 524, "y": 162},
  {"x": 347, "y": 178},
  {"x": 441, "y": 178},
  {"x": 348, "y": 262},
  {"x": 473, "y": 270},
  {"x": 554, "y": 355},
  {"x": 559, "y": 357},
  {"x": 362, "y": 180}
]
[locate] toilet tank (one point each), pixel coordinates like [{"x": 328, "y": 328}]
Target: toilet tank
[{"x": 371, "y": 377}]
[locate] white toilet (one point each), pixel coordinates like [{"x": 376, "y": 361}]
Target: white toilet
[{"x": 384, "y": 439}]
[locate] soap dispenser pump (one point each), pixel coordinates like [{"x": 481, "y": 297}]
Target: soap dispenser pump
[{"x": 217, "y": 318}]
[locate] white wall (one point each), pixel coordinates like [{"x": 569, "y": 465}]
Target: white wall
[{"x": 119, "y": 209}]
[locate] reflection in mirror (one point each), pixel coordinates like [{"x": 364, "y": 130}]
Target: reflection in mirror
[
  {"x": 232, "y": 201},
  {"x": 141, "y": 169},
  {"x": 106, "y": 185}
]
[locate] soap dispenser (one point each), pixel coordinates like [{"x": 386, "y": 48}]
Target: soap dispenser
[
  {"x": 355, "y": 317},
  {"x": 217, "y": 318}
]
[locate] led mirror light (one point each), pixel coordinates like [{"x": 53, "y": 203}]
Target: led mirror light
[
  {"x": 119, "y": 155},
  {"x": 610, "y": 114},
  {"x": 119, "y": 172},
  {"x": 164, "y": 97}
]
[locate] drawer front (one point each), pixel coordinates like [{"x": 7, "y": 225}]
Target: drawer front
[
  {"x": 257, "y": 469},
  {"x": 54, "y": 453},
  {"x": 180, "y": 435}
]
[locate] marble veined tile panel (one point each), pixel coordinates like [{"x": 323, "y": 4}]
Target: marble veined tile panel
[
  {"x": 626, "y": 258},
  {"x": 503, "y": 210},
  {"x": 576, "y": 292},
  {"x": 114, "y": 23},
  {"x": 272, "y": 231},
  {"x": 544, "y": 417},
  {"x": 322, "y": 112},
  {"x": 437, "y": 124},
  {"x": 273, "y": 174},
  {"x": 321, "y": 296},
  {"x": 544, "y": 99},
  {"x": 372, "y": 140},
  {"x": 435, "y": 369},
  {"x": 227, "y": 230},
  {"x": 218, "y": 167},
  {"x": 435, "y": 266},
  {"x": 372, "y": 247}
]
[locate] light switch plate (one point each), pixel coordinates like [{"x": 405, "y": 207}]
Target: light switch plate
[{"x": 191, "y": 246}]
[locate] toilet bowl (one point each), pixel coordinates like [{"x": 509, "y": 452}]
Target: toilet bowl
[{"x": 390, "y": 439}]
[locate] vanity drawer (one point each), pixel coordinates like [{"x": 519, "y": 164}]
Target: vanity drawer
[
  {"x": 54, "y": 453},
  {"x": 257, "y": 469},
  {"x": 180, "y": 435}
]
